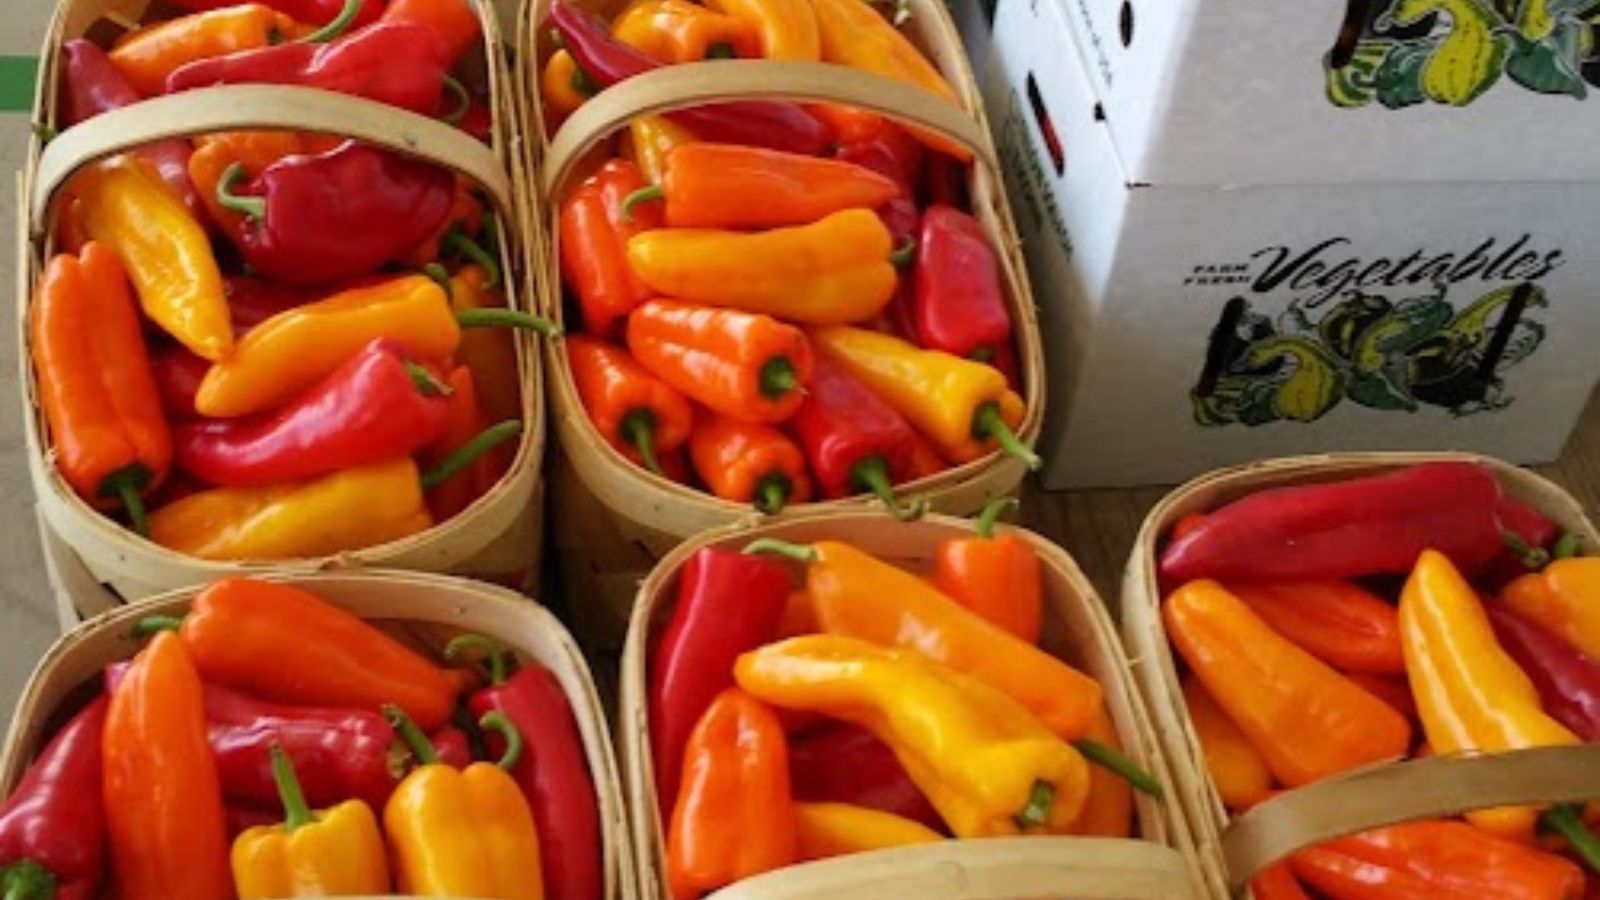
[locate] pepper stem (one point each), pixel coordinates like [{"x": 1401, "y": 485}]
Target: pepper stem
[
  {"x": 638, "y": 428},
  {"x": 797, "y": 552},
  {"x": 151, "y": 624},
  {"x": 987, "y": 423},
  {"x": 296, "y": 812},
  {"x": 457, "y": 241},
  {"x": 647, "y": 194},
  {"x": 777, "y": 377},
  {"x": 1037, "y": 812},
  {"x": 991, "y": 514},
  {"x": 1564, "y": 820},
  {"x": 468, "y": 453},
  {"x": 1534, "y": 558},
  {"x": 252, "y": 208},
  {"x": 497, "y": 721},
  {"x": 457, "y": 92},
  {"x": 43, "y": 131},
  {"x": 427, "y": 383},
  {"x": 1566, "y": 546},
  {"x": 1119, "y": 764},
  {"x": 417, "y": 742},
  {"x": 582, "y": 83},
  {"x": 872, "y": 473},
  {"x": 721, "y": 50},
  {"x": 440, "y": 276},
  {"x": 27, "y": 880},
  {"x": 494, "y": 655},
  {"x": 125, "y": 484},
  {"x": 772, "y": 492},
  {"x": 336, "y": 26},
  {"x": 506, "y": 318},
  {"x": 905, "y": 254}
]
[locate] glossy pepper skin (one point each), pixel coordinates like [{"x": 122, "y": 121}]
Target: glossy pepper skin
[
  {"x": 289, "y": 353},
  {"x": 490, "y": 353},
  {"x": 962, "y": 407},
  {"x": 1336, "y": 621},
  {"x": 650, "y": 139},
  {"x": 748, "y": 367},
  {"x": 377, "y": 406},
  {"x": 1305, "y": 719},
  {"x": 757, "y": 123},
  {"x": 840, "y": 763},
  {"x": 677, "y": 31},
  {"x": 637, "y": 413},
  {"x": 455, "y": 23},
  {"x": 311, "y": 12},
  {"x": 727, "y": 604},
  {"x": 1108, "y": 810},
  {"x": 785, "y": 29},
  {"x": 984, "y": 761},
  {"x": 147, "y": 56},
  {"x": 254, "y": 150},
  {"x": 1362, "y": 526},
  {"x": 1237, "y": 770},
  {"x": 1568, "y": 681},
  {"x": 1470, "y": 693},
  {"x": 825, "y": 830},
  {"x": 708, "y": 185},
  {"x": 959, "y": 301},
  {"x": 997, "y": 577},
  {"x": 746, "y": 463},
  {"x": 1277, "y": 882},
  {"x": 1564, "y": 598},
  {"x": 163, "y": 803},
  {"x": 125, "y": 205},
  {"x": 733, "y": 817},
  {"x": 316, "y": 219},
  {"x": 55, "y": 818},
  {"x": 1435, "y": 860},
  {"x": 831, "y": 272},
  {"x": 108, "y": 436},
  {"x": 333, "y": 852},
  {"x": 562, "y": 89},
  {"x": 853, "y": 440},
  {"x": 594, "y": 232}
]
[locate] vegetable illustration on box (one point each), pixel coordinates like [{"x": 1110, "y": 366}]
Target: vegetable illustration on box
[
  {"x": 1451, "y": 52},
  {"x": 1378, "y": 353}
]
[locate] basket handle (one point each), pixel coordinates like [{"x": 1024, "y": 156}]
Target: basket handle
[
  {"x": 675, "y": 87},
  {"x": 1392, "y": 793},
  {"x": 244, "y": 106}
]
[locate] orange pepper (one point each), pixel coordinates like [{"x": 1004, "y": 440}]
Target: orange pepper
[
  {"x": 785, "y": 29},
  {"x": 1335, "y": 621},
  {"x": 677, "y": 31},
  {"x": 799, "y": 615},
  {"x": 562, "y": 89},
  {"x": 1391, "y": 689},
  {"x": 1565, "y": 599},
  {"x": 745, "y": 462},
  {"x": 214, "y": 154},
  {"x": 925, "y": 460},
  {"x": 650, "y": 139},
  {"x": 464, "y": 420},
  {"x": 1186, "y": 525},
  {"x": 1238, "y": 771},
  {"x": 1277, "y": 882},
  {"x": 748, "y": 367},
  {"x": 634, "y": 411},
  {"x": 998, "y": 578},
  {"x": 595, "y": 232},
  {"x": 146, "y": 56},
  {"x": 1108, "y": 811},
  {"x": 1305, "y": 719}
]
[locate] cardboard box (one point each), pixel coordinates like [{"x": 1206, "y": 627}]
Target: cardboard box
[
  {"x": 1346, "y": 91},
  {"x": 1189, "y": 327}
]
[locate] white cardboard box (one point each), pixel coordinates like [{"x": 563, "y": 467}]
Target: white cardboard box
[
  {"x": 1249, "y": 92},
  {"x": 1190, "y": 327}
]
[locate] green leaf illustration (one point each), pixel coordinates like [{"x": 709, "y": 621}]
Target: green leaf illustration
[
  {"x": 1551, "y": 65},
  {"x": 1398, "y": 82}
]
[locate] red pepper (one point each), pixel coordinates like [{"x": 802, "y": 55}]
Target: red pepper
[
  {"x": 944, "y": 181},
  {"x": 727, "y": 603},
  {"x": 1348, "y": 529},
  {"x": 315, "y": 219},
  {"x": 309, "y": 12},
  {"x": 454, "y": 21},
  {"x": 252, "y": 301},
  {"x": 54, "y": 819},
  {"x": 891, "y": 151},
  {"x": 91, "y": 85},
  {"x": 394, "y": 63},
  {"x": 1567, "y": 680},
  {"x": 756, "y": 123},
  {"x": 853, "y": 440},
  {"x": 1529, "y": 536},
  {"x": 553, "y": 771},
  {"x": 844, "y": 763},
  {"x": 959, "y": 303},
  {"x": 376, "y": 406},
  {"x": 178, "y": 373}
]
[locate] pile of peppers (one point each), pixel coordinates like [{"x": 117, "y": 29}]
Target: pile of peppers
[
  {"x": 779, "y": 302},
  {"x": 264, "y": 345},
  {"x": 861, "y": 706},
  {"x": 1420, "y": 612},
  {"x": 271, "y": 744}
]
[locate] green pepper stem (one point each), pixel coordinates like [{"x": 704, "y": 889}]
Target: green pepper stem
[
  {"x": 127, "y": 488},
  {"x": 984, "y": 355},
  {"x": 417, "y": 742},
  {"x": 27, "y": 880},
  {"x": 441, "y": 276},
  {"x": 1566, "y": 546},
  {"x": 253, "y": 208},
  {"x": 638, "y": 428},
  {"x": 1534, "y": 558},
  {"x": 647, "y": 194},
  {"x": 796, "y": 552},
  {"x": 991, "y": 514},
  {"x": 1119, "y": 764},
  {"x": 44, "y": 132},
  {"x": 905, "y": 254},
  {"x": 492, "y": 317},
  {"x": 151, "y": 624},
  {"x": 1564, "y": 820},
  {"x": 468, "y": 453},
  {"x": 457, "y": 241},
  {"x": 336, "y": 26},
  {"x": 497, "y": 721},
  {"x": 428, "y": 384},
  {"x": 772, "y": 492},
  {"x": 987, "y": 423},
  {"x": 721, "y": 50},
  {"x": 296, "y": 812},
  {"x": 872, "y": 474},
  {"x": 494, "y": 654},
  {"x": 777, "y": 377},
  {"x": 582, "y": 83},
  {"x": 1037, "y": 812},
  {"x": 458, "y": 92}
]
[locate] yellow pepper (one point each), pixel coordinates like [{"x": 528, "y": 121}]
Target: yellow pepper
[
  {"x": 787, "y": 29},
  {"x": 823, "y": 830},
  {"x": 1565, "y": 599},
  {"x": 562, "y": 88},
  {"x": 489, "y": 352},
  {"x": 347, "y": 510},
  {"x": 963, "y": 407},
  {"x": 677, "y": 31},
  {"x": 649, "y": 139},
  {"x": 834, "y": 271},
  {"x": 466, "y": 832},
  {"x": 146, "y": 56},
  {"x": 984, "y": 762},
  {"x": 336, "y": 852},
  {"x": 124, "y": 204}
]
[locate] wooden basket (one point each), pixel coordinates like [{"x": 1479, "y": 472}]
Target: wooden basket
[
  {"x": 636, "y": 516},
  {"x": 498, "y": 536},
  {"x": 1369, "y": 798},
  {"x": 1076, "y": 628},
  {"x": 423, "y": 610}
]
